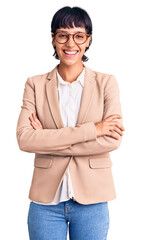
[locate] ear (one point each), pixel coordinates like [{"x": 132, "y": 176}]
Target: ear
[
  {"x": 53, "y": 40},
  {"x": 88, "y": 40}
]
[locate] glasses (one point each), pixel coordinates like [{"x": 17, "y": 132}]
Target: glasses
[{"x": 79, "y": 38}]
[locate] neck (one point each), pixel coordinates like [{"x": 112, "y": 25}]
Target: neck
[{"x": 70, "y": 73}]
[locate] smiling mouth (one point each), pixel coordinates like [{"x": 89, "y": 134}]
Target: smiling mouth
[{"x": 70, "y": 53}]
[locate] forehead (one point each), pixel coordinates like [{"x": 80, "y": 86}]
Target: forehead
[{"x": 72, "y": 30}]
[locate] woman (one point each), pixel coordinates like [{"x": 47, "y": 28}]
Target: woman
[{"x": 71, "y": 119}]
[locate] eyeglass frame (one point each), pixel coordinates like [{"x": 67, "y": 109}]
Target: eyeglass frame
[{"x": 87, "y": 35}]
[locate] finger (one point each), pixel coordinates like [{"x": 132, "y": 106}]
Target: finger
[
  {"x": 34, "y": 116},
  {"x": 119, "y": 125},
  {"x": 37, "y": 120},
  {"x": 40, "y": 125},
  {"x": 32, "y": 124},
  {"x": 113, "y": 116},
  {"x": 114, "y": 128},
  {"x": 31, "y": 118},
  {"x": 113, "y": 135},
  {"x": 115, "y": 123},
  {"x": 36, "y": 125}
]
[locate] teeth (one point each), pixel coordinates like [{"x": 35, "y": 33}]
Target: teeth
[{"x": 70, "y": 52}]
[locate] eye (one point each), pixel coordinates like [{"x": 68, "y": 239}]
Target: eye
[
  {"x": 62, "y": 35},
  {"x": 79, "y": 36}
]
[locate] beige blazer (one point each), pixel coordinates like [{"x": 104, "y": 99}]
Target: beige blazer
[{"x": 56, "y": 147}]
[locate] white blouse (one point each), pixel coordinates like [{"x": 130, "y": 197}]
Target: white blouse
[{"x": 69, "y": 99}]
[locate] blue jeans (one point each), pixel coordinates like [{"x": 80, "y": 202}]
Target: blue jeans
[{"x": 85, "y": 222}]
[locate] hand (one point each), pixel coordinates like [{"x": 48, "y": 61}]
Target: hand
[
  {"x": 108, "y": 126},
  {"x": 34, "y": 121}
]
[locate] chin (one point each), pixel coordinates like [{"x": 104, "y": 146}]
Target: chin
[{"x": 70, "y": 62}]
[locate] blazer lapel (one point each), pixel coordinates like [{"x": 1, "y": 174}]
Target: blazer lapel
[
  {"x": 53, "y": 96},
  {"x": 88, "y": 91}
]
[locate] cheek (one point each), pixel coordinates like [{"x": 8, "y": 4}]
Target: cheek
[
  {"x": 82, "y": 50},
  {"x": 58, "y": 50}
]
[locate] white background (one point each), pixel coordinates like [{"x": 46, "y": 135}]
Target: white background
[{"x": 26, "y": 50}]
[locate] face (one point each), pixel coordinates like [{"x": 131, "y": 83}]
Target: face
[{"x": 64, "y": 50}]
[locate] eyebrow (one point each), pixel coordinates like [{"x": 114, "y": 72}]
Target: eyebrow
[{"x": 67, "y": 31}]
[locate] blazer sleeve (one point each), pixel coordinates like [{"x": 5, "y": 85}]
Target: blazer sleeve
[
  {"x": 101, "y": 144},
  {"x": 45, "y": 140}
]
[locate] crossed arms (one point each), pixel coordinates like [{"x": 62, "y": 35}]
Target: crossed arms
[{"x": 75, "y": 141}]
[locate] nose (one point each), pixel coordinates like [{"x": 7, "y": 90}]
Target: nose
[{"x": 70, "y": 41}]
